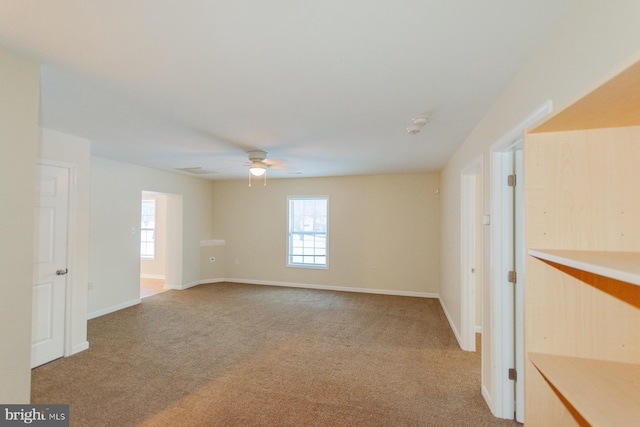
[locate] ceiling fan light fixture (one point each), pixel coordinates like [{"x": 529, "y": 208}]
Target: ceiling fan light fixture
[{"x": 257, "y": 169}]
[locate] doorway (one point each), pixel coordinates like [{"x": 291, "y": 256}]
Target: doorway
[
  {"x": 161, "y": 264},
  {"x": 507, "y": 278},
  {"x": 153, "y": 243}
]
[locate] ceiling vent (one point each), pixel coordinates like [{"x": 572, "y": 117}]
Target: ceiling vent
[{"x": 196, "y": 171}]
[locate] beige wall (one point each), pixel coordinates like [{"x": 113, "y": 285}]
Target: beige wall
[
  {"x": 19, "y": 136},
  {"x": 592, "y": 43},
  {"x": 213, "y": 270},
  {"x": 114, "y": 259},
  {"x": 383, "y": 231}
]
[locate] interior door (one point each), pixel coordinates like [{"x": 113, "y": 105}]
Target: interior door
[{"x": 50, "y": 264}]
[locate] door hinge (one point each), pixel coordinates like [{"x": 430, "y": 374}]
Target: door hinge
[
  {"x": 511, "y": 180},
  {"x": 512, "y": 277},
  {"x": 513, "y": 374}
]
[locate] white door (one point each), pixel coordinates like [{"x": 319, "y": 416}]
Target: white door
[
  {"x": 50, "y": 264},
  {"x": 471, "y": 258}
]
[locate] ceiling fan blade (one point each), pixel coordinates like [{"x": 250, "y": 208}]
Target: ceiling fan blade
[
  {"x": 271, "y": 162},
  {"x": 280, "y": 167}
]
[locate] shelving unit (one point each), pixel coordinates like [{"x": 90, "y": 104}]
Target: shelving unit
[
  {"x": 582, "y": 230},
  {"x": 604, "y": 393},
  {"x": 623, "y": 266}
]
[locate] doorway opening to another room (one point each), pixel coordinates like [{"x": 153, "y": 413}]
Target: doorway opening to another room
[
  {"x": 160, "y": 242},
  {"x": 153, "y": 243}
]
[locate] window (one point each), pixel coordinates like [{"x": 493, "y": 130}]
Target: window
[
  {"x": 308, "y": 231},
  {"x": 148, "y": 229}
]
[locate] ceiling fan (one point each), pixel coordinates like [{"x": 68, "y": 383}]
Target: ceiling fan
[{"x": 260, "y": 164}]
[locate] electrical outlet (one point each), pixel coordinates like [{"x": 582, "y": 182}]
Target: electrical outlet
[{"x": 90, "y": 286}]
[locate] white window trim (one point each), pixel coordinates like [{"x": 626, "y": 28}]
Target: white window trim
[
  {"x": 308, "y": 266},
  {"x": 149, "y": 257}
]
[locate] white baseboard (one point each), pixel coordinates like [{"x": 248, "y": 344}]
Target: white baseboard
[
  {"x": 192, "y": 284},
  {"x": 127, "y": 304},
  {"x": 329, "y": 288},
  {"x": 117, "y": 307},
  {"x": 79, "y": 347},
  {"x": 487, "y": 398},
  {"x": 451, "y": 324},
  {"x": 172, "y": 286},
  {"x": 152, "y": 276}
]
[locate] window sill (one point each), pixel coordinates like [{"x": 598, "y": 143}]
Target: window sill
[
  {"x": 213, "y": 242},
  {"x": 311, "y": 266}
]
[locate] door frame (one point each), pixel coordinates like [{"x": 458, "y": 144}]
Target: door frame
[
  {"x": 470, "y": 192},
  {"x": 71, "y": 226},
  {"x": 519, "y": 250},
  {"x": 502, "y": 394}
]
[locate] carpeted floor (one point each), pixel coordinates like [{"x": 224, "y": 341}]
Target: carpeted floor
[{"x": 244, "y": 355}]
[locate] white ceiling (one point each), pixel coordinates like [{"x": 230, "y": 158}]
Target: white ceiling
[{"x": 330, "y": 86}]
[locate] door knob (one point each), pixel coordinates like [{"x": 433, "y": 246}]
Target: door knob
[{"x": 62, "y": 272}]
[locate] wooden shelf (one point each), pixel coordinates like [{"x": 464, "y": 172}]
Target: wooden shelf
[
  {"x": 581, "y": 179},
  {"x": 604, "y": 393},
  {"x": 614, "y": 104},
  {"x": 623, "y": 266}
]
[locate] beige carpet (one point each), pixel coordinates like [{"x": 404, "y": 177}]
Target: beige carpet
[{"x": 243, "y": 355}]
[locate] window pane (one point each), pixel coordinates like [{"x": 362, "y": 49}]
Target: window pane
[
  {"x": 148, "y": 214},
  {"x": 308, "y": 231},
  {"x": 147, "y": 228}
]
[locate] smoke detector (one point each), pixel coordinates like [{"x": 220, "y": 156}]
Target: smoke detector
[{"x": 416, "y": 124}]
